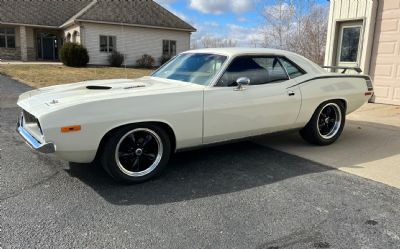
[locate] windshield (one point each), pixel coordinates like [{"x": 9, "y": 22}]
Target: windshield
[{"x": 194, "y": 68}]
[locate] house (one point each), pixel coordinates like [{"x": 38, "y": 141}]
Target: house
[
  {"x": 366, "y": 34},
  {"x": 36, "y": 30}
]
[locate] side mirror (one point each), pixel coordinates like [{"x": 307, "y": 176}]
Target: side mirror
[{"x": 242, "y": 81}]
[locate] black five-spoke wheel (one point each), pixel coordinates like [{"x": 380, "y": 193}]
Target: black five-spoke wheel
[
  {"x": 326, "y": 125},
  {"x": 329, "y": 120},
  {"x": 136, "y": 153},
  {"x": 139, "y": 152}
]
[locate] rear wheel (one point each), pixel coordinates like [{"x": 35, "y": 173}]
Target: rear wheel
[
  {"x": 326, "y": 125},
  {"x": 136, "y": 153}
]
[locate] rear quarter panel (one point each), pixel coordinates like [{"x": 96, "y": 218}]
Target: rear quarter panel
[{"x": 316, "y": 91}]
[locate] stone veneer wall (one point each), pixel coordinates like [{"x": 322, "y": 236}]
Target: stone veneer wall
[
  {"x": 31, "y": 54},
  {"x": 10, "y": 53}
]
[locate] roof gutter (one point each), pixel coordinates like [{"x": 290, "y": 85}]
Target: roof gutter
[
  {"x": 136, "y": 25},
  {"x": 30, "y": 25}
]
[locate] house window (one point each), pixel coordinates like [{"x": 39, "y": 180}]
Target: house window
[
  {"x": 350, "y": 44},
  {"x": 7, "y": 38},
  {"x": 108, "y": 43},
  {"x": 169, "y": 48}
]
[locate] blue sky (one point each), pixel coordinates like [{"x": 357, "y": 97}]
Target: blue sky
[{"x": 227, "y": 19}]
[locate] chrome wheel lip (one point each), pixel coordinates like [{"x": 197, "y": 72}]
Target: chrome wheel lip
[
  {"x": 152, "y": 166},
  {"x": 338, "y": 121}
]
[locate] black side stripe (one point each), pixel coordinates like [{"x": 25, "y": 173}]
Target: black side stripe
[{"x": 332, "y": 76}]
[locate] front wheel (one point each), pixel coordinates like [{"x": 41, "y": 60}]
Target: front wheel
[
  {"x": 136, "y": 153},
  {"x": 326, "y": 125}
]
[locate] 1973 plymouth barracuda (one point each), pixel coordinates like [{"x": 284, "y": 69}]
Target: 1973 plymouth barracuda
[{"x": 198, "y": 98}]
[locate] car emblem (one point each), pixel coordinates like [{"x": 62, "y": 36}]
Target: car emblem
[{"x": 54, "y": 101}]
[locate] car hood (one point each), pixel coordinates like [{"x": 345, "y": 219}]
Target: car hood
[{"x": 55, "y": 97}]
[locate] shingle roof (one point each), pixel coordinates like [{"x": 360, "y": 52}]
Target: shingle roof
[
  {"x": 40, "y": 12},
  {"x": 57, "y": 12},
  {"x": 140, "y": 12}
]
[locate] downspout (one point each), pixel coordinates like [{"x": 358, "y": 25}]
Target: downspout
[
  {"x": 373, "y": 37},
  {"x": 372, "y": 99}
]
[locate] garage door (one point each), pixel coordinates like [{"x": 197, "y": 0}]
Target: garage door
[{"x": 385, "y": 69}]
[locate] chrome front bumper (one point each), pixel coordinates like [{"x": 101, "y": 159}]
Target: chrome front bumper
[{"x": 31, "y": 141}]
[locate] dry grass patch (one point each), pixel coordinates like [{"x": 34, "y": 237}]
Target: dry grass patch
[{"x": 47, "y": 75}]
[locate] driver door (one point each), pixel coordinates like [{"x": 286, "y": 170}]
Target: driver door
[{"x": 265, "y": 105}]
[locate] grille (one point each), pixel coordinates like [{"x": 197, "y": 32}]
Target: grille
[{"x": 29, "y": 118}]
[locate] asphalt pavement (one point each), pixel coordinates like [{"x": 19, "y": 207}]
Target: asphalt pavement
[{"x": 242, "y": 195}]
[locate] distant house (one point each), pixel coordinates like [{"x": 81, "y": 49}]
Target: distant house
[
  {"x": 36, "y": 30},
  {"x": 366, "y": 33}
]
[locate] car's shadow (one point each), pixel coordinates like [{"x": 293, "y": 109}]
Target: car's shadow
[{"x": 201, "y": 173}]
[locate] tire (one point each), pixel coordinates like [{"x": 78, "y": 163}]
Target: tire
[
  {"x": 326, "y": 124},
  {"x": 136, "y": 153}
]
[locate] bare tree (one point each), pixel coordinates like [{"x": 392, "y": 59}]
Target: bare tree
[
  {"x": 226, "y": 43},
  {"x": 194, "y": 44},
  {"x": 310, "y": 38},
  {"x": 215, "y": 42},
  {"x": 296, "y": 25},
  {"x": 254, "y": 41},
  {"x": 278, "y": 23}
]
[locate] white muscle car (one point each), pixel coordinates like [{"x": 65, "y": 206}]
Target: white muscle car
[{"x": 198, "y": 98}]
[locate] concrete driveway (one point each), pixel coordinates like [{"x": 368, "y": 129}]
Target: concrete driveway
[
  {"x": 369, "y": 146},
  {"x": 242, "y": 195}
]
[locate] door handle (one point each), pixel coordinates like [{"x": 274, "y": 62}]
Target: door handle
[{"x": 291, "y": 93}]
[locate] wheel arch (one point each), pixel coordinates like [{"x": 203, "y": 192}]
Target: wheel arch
[
  {"x": 312, "y": 112},
  {"x": 163, "y": 125},
  {"x": 341, "y": 100},
  {"x": 310, "y": 130}
]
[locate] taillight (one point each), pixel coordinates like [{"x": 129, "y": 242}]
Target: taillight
[
  {"x": 368, "y": 93},
  {"x": 369, "y": 85}
]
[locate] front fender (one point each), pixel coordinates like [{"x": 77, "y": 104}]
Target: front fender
[{"x": 98, "y": 118}]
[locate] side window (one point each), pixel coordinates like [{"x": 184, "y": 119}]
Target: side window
[
  {"x": 103, "y": 43},
  {"x": 169, "y": 48},
  {"x": 107, "y": 43},
  {"x": 293, "y": 70},
  {"x": 260, "y": 70},
  {"x": 7, "y": 38},
  {"x": 112, "y": 43}
]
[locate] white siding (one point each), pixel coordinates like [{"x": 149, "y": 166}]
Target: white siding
[
  {"x": 351, "y": 10},
  {"x": 133, "y": 42}
]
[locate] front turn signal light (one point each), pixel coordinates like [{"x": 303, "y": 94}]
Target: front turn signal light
[{"x": 70, "y": 128}]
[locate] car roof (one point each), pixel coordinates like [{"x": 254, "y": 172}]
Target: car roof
[{"x": 239, "y": 51}]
